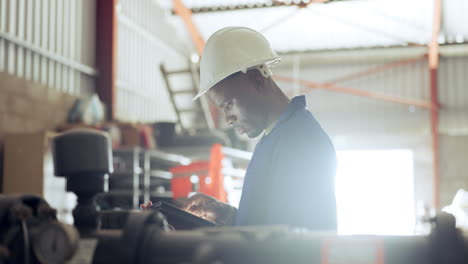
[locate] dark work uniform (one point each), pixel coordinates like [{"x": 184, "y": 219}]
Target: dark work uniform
[{"x": 290, "y": 179}]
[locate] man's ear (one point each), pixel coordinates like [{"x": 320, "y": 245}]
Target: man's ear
[{"x": 257, "y": 78}]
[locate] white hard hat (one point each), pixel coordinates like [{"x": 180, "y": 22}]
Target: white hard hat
[{"x": 233, "y": 49}]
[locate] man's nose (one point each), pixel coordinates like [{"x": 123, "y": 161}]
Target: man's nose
[{"x": 230, "y": 119}]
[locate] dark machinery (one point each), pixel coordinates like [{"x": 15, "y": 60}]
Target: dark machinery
[
  {"x": 147, "y": 238},
  {"x": 30, "y": 232},
  {"x": 84, "y": 157}
]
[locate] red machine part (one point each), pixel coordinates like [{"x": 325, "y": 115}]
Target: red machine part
[{"x": 210, "y": 178}]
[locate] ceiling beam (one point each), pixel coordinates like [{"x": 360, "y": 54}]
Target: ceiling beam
[
  {"x": 375, "y": 69},
  {"x": 353, "y": 91},
  {"x": 181, "y": 10},
  {"x": 266, "y": 4},
  {"x": 433, "y": 63},
  {"x": 186, "y": 15}
]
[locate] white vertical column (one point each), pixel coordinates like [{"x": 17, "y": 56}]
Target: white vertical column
[
  {"x": 59, "y": 70},
  {"x": 29, "y": 21},
  {"x": 52, "y": 38},
  {"x": 67, "y": 80},
  {"x": 77, "y": 43},
  {"x": 3, "y": 22},
  {"x": 21, "y": 28},
  {"x": 147, "y": 66},
  {"x": 11, "y": 55},
  {"x": 125, "y": 53},
  {"x": 147, "y": 82},
  {"x": 44, "y": 38},
  {"x": 75, "y": 14},
  {"x": 37, "y": 40}
]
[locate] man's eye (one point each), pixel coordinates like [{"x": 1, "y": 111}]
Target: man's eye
[{"x": 228, "y": 105}]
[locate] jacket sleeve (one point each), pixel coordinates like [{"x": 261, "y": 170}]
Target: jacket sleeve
[{"x": 301, "y": 181}]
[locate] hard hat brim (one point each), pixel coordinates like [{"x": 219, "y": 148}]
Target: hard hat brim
[{"x": 268, "y": 62}]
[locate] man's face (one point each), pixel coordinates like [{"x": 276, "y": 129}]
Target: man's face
[{"x": 242, "y": 101}]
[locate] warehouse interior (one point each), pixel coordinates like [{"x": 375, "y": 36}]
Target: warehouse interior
[{"x": 97, "y": 117}]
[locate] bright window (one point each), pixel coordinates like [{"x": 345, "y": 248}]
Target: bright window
[{"x": 374, "y": 191}]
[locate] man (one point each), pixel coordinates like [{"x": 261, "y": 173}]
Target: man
[{"x": 290, "y": 179}]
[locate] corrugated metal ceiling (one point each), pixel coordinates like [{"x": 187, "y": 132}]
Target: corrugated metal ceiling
[{"x": 336, "y": 25}]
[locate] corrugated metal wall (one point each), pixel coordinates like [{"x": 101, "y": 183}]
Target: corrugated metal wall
[
  {"x": 453, "y": 95},
  {"x": 49, "y": 41},
  {"x": 348, "y": 114},
  {"x": 145, "y": 40}
]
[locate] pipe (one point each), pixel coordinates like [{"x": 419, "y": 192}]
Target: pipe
[{"x": 433, "y": 69}]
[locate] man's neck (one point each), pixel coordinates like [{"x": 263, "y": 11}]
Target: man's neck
[{"x": 279, "y": 103}]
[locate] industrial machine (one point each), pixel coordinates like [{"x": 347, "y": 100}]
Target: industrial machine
[{"x": 30, "y": 233}]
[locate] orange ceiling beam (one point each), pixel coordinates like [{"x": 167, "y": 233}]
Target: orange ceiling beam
[
  {"x": 331, "y": 84},
  {"x": 376, "y": 69},
  {"x": 357, "y": 92},
  {"x": 181, "y": 10}
]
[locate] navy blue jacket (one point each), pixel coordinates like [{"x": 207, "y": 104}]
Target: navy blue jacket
[{"x": 290, "y": 178}]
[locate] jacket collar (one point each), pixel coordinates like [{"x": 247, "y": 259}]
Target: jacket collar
[{"x": 297, "y": 103}]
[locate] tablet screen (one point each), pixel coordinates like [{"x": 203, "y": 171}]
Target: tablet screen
[{"x": 180, "y": 219}]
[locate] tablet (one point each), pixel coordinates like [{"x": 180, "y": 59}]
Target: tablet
[{"x": 180, "y": 219}]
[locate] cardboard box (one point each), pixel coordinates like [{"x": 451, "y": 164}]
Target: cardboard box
[
  {"x": 130, "y": 135},
  {"x": 28, "y": 169}
]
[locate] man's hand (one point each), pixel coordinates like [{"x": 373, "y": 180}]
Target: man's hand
[
  {"x": 206, "y": 207},
  {"x": 146, "y": 206},
  {"x": 209, "y": 208}
]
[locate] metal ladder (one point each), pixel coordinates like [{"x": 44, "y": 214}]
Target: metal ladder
[{"x": 200, "y": 107}]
